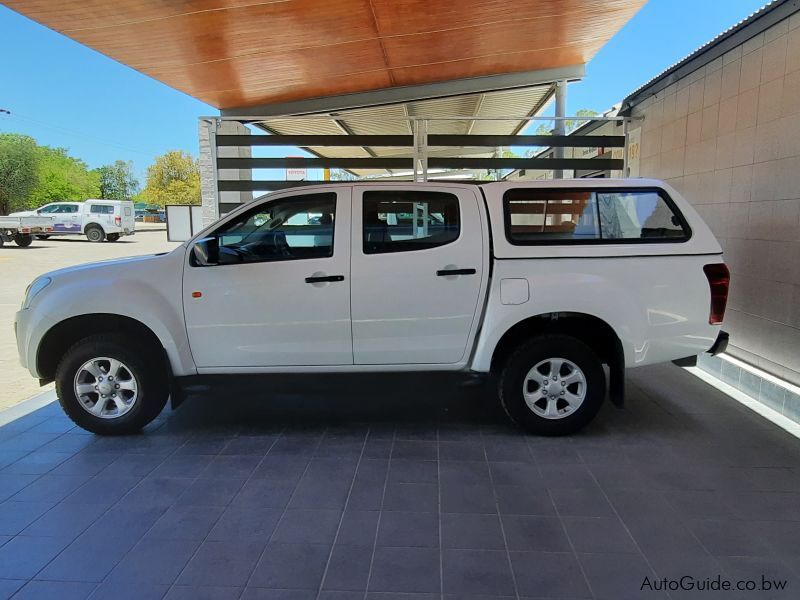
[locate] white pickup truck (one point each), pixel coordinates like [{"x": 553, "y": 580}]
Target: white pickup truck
[
  {"x": 541, "y": 283},
  {"x": 21, "y": 229}
]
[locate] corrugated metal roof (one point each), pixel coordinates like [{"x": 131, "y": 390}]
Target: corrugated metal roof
[{"x": 392, "y": 119}]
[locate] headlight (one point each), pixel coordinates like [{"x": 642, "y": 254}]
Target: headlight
[{"x": 33, "y": 290}]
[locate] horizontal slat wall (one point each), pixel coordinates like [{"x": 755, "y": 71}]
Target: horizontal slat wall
[
  {"x": 433, "y": 162},
  {"x": 377, "y": 141}
]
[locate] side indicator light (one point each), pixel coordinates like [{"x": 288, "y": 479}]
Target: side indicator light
[{"x": 197, "y": 294}]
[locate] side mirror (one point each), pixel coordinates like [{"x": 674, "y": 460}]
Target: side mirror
[{"x": 205, "y": 252}]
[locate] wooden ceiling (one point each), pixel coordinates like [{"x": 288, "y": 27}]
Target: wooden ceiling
[{"x": 240, "y": 53}]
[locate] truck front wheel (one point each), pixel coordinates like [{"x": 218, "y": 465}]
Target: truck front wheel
[
  {"x": 110, "y": 385},
  {"x": 552, "y": 385}
]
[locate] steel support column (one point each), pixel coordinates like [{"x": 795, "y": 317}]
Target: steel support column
[{"x": 560, "y": 128}]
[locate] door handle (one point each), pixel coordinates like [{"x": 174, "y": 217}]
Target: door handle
[
  {"x": 445, "y": 272},
  {"x": 324, "y": 278}
]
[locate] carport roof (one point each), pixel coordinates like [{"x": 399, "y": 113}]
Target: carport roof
[{"x": 239, "y": 54}]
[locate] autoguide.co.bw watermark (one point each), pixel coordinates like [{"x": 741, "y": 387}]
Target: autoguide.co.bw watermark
[{"x": 712, "y": 584}]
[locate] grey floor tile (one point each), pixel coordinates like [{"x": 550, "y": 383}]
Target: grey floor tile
[
  {"x": 133, "y": 465},
  {"x": 185, "y": 522},
  {"x": 50, "y": 488},
  {"x": 154, "y": 561},
  {"x": 250, "y": 445},
  {"x": 581, "y": 502},
  {"x": 419, "y": 450},
  {"x": 105, "y": 549},
  {"x": 549, "y": 575},
  {"x": 408, "y": 529},
  {"x": 48, "y": 590},
  {"x": 256, "y": 593},
  {"x": 525, "y": 533},
  {"x": 231, "y": 467},
  {"x": 89, "y": 462},
  {"x": 16, "y": 516},
  {"x": 405, "y": 570},
  {"x": 464, "y": 472},
  {"x": 9, "y": 586},
  {"x": 159, "y": 491},
  {"x": 24, "y": 556},
  {"x": 112, "y": 590},
  {"x": 214, "y": 491},
  {"x": 470, "y": 531},
  {"x": 524, "y": 500},
  {"x": 598, "y": 534},
  {"x": 366, "y": 495},
  {"x": 458, "y": 498},
  {"x": 477, "y": 572},
  {"x": 66, "y": 520},
  {"x": 567, "y": 476},
  {"x": 307, "y": 527},
  {"x": 264, "y": 493},
  {"x": 730, "y": 538},
  {"x": 411, "y": 497},
  {"x": 37, "y": 463},
  {"x": 413, "y": 471},
  {"x": 516, "y": 473},
  {"x": 227, "y": 563},
  {"x": 348, "y": 568},
  {"x": 313, "y": 493},
  {"x": 182, "y": 465},
  {"x": 358, "y": 528},
  {"x": 617, "y": 576},
  {"x": 192, "y": 592},
  {"x": 12, "y": 483},
  {"x": 461, "y": 451},
  {"x": 102, "y": 490},
  {"x": 246, "y": 523},
  {"x": 291, "y": 566}
]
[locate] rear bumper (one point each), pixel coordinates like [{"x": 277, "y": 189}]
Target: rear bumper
[{"x": 719, "y": 346}]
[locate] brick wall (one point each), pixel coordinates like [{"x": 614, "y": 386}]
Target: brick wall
[{"x": 727, "y": 136}]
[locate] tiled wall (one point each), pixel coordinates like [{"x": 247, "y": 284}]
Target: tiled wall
[{"x": 727, "y": 136}]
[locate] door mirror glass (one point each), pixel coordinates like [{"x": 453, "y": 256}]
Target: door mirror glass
[{"x": 205, "y": 252}]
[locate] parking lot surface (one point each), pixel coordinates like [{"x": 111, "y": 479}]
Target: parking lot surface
[
  {"x": 20, "y": 266},
  {"x": 403, "y": 487}
]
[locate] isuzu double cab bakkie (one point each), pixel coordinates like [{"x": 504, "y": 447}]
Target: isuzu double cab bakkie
[{"x": 549, "y": 286}]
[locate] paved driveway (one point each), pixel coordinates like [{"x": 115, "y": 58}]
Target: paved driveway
[
  {"x": 20, "y": 266},
  {"x": 400, "y": 488}
]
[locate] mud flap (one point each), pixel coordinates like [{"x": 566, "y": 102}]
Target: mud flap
[{"x": 616, "y": 385}]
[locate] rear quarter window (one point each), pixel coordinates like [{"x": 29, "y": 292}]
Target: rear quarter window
[{"x": 540, "y": 216}]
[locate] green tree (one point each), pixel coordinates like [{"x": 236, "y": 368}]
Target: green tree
[
  {"x": 174, "y": 178},
  {"x": 570, "y": 125},
  {"x": 117, "y": 181},
  {"x": 18, "y": 172},
  {"x": 62, "y": 177}
]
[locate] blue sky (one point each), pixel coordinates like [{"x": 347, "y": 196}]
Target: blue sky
[{"x": 65, "y": 94}]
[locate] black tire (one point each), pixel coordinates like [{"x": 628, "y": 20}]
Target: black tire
[
  {"x": 150, "y": 373},
  {"x": 112, "y": 237},
  {"x": 23, "y": 240},
  {"x": 95, "y": 233},
  {"x": 42, "y": 236},
  {"x": 519, "y": 364}
]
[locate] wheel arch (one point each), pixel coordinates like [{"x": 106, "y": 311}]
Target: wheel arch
[
  {"x": 59, "y": 338},
  {"x": 594, "y": 331}
]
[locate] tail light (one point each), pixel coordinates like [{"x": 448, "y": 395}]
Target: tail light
[
  {"x": 117, "y": 221},
  {"x": 719, "y": 279}
]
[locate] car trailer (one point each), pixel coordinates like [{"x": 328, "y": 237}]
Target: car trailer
[{"x": 21, "y": 230}]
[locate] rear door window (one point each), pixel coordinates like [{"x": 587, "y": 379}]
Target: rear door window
[
  {"x": 563, "y": 216},
  {"x": 405, "y": 220}
]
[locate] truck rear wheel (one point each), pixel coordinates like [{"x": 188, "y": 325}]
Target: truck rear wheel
[
  {"x": 95, "y": 233},
  {"x": 552, "y": 385},
  {"x": 23, "y": 240},
  {"x": 109, "y": 385}
]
